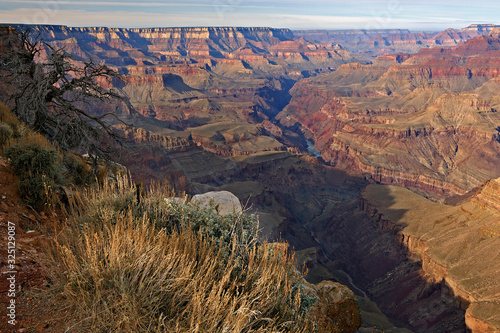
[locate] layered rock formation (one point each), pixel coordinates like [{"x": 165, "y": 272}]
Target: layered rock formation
[
  {"x": 223, "y": 85},
  {"x": 426, "y": 121},
  {"x": 457, "y": 246},
  {"x": 389, "y": 41},
  {"x": 230, "y": 109}
]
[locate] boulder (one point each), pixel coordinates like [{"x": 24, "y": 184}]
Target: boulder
[
  {"x": 225, "y": 202},
  {"x": 336, "y": 309}
]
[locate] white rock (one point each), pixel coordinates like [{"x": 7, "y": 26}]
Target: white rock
[
  {"x": 177, "y": 200},
  {"x": 224, "y": 201}
]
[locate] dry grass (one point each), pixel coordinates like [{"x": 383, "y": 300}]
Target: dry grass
[
  {"x": 123, "y": 273},
  {"x": 133, "y": 261},
  {"x": 19, "y": 133},
  {"x": 6, "y": 115},
  {"x": 113, "y": 200},
  {"x": 38, "y": 163}
]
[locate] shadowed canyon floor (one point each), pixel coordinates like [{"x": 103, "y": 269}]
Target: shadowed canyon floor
[{"x": 427, "y": 121}]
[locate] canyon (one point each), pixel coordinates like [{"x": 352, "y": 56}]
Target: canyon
[
  {"x": 391, "y": 41},
  {"x": 427, "y": 120},
  {"x": 374, "y": 153}
]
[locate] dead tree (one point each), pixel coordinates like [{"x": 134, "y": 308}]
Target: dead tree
[{"x": 54, "y": 95}]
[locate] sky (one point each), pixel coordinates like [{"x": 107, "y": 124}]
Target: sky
[{"x": 294, "y": 14}]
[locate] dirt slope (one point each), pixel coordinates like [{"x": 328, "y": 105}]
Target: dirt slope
[{"x": 31, "y": 314}]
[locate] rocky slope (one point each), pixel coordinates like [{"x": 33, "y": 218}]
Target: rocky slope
[
  {"x": 457, "y": 246},
  {"x": 427, "y": 121},
  {"x": 30, "y": 266}
]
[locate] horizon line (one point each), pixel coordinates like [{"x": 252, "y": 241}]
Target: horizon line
[{"x": 247, "y": 27}]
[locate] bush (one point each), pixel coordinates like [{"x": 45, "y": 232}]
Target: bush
[
  {"x": 39, "y": 171},
  {"x": 38, "y": 164},
  {"x": 8, "y": 125},
  {"x": 6, "y": 115},
  {"x": 6, "y": 133},
  {"x": 77, "y": 171},
  {"x": 115, "y": 199},
  {"x": 140, "y": 263}
]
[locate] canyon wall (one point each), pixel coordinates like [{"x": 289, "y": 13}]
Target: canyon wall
[
  {"x": 233, "y": 109},
  {"x": 427, "y": 121},
  {"x": 391, "y": 41},
  {"x": 457, "y": 246}
]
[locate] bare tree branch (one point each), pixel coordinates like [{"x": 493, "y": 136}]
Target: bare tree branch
[{"x": 54, "y": 95}]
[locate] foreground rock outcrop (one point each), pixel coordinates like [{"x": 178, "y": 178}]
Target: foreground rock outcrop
[
  {"x": 336, "y": 308},
  {"x": 224, "y": 202}
]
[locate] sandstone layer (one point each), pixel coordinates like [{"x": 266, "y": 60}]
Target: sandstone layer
[
  {"x": 427, "y": 121},
  {"x": 457, "y": 246},
  {"x": 390, "y": 41},
  {"x": 222, "y": 85}
]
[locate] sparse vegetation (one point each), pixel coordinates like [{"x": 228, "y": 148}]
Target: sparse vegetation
[
  {"x": 126, "y": 261},
  {"x": 42, "y": 169},
  {"x": 159, "y": 265},
  {"x": 158, "y": 205},
  {"x": 38, "y": 169},
  {"x": 147, "y": 262},
  {"x": 131, "y": 261}
]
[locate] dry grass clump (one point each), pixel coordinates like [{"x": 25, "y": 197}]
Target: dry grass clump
[
  {"x": 123, "y": 273},
  {"x": 130, "y": 277},
  {"x": 10, "y": 127},
  {"x": 114, "y": 200},
  {"x": 15, "y": 133}
]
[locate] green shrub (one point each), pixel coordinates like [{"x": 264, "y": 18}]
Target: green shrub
[
  {"x": 115, "y": 199},
  {"x": 6, "y": 133},
  {"x": 39, "y": 171},
  {"x": 77, "y": 171}
]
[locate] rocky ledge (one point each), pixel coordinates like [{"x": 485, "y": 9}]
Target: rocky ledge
[{"x": 458, "y": 247}]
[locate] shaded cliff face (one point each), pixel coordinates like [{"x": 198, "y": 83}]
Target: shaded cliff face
[
  {"x": 427, "y": 121},
  {"x": 430, "y": 267},
  {"x": 7, "y": 43},
  {"x": 457, "y": 246}
]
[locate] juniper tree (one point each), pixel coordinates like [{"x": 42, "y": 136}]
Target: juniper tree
[{"x": 56, "y": 96}]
